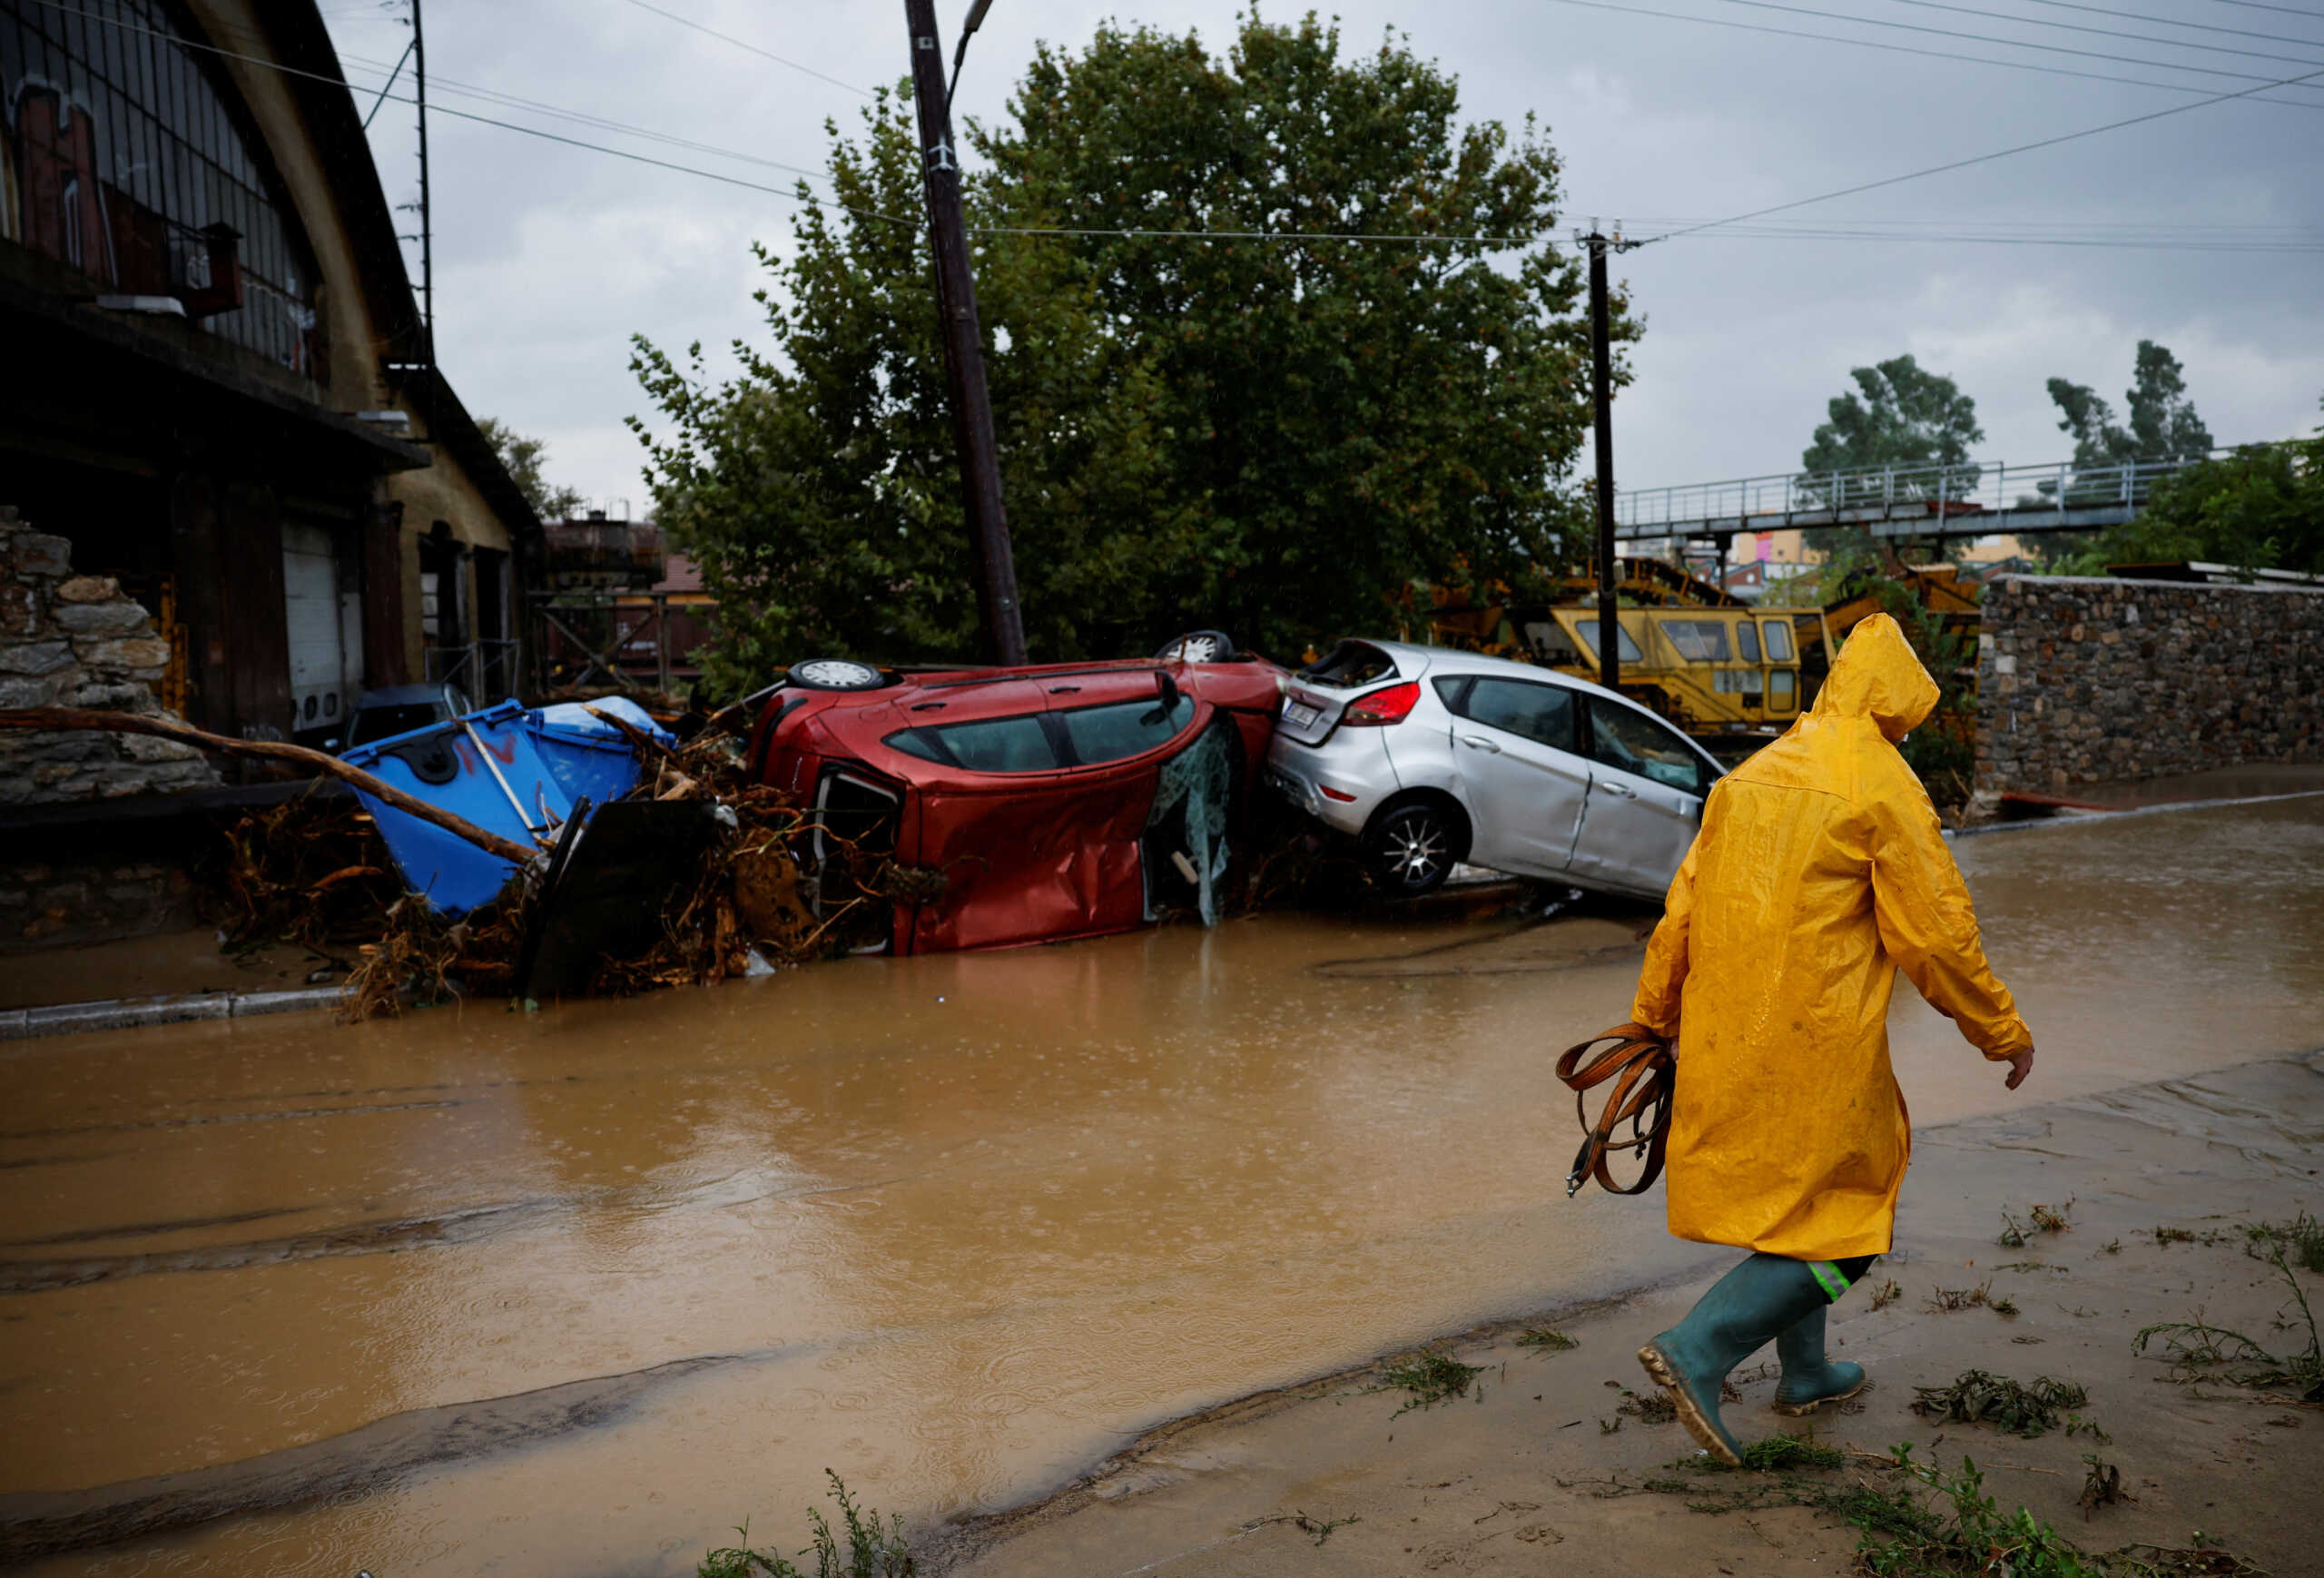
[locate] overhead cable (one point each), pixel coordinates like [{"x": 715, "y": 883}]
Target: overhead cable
[
  {"x": 487, "y": 95},
  {"x": 753, "y": 48},
  {"x": 1984, "y": 158},
  {"x": 2263, "y": 5},
  {"x": 2004, "y": 43},
  {"x": 1906, "y": 49},
  {"x": 1837, "y": 230},
  {"x": 2118, "y": 32},
  {"x": 2175, "y": 22}
]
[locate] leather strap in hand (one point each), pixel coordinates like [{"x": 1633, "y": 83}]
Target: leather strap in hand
[{"x": 1640, "y": 1063}]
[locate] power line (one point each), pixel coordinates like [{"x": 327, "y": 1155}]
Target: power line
[
  {"x": 487, "y": 95},
  {"x": 2118, "y": 32},
  {"x": 2004, "y": 42},
  {"x": 755, "y": 49},
  {"x": 581, "y": 117},
  {"x": 1984, "y": 158},
  {"x": 1831, "y": 230},
  {"x": 2174, "y": 22},
  {"x": 1904, "y": 49},
  {"x": 2288, "y": 10}
]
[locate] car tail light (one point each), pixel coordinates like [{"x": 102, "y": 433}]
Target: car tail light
[{"x": 1391, "y": 705}]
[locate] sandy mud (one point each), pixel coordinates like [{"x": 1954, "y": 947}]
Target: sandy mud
[{"x": 1550, "y": 1448}]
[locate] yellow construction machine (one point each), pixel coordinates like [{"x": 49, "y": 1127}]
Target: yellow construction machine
[{"x": 1702, "y": 657}]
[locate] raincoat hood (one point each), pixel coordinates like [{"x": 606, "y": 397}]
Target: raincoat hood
[{"x": 1878, "y": 676}]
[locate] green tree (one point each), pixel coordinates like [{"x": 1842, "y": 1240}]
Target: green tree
[
  {"x": 524, "y": 458},
  {"x": 2163, "y": 424},
  {"x": 1901, "y": 415},
  {"x": 1268, "y": 436},
  {"x": 2260, "y": 507}
]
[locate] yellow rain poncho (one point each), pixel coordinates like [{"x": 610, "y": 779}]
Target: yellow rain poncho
[{"x": 1819, "y": 873}]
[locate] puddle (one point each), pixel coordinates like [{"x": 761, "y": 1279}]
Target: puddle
[{"x": 987, "y": 1216}]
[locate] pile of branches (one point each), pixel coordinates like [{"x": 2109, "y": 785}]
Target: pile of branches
[{"x": 311, "y": 871}]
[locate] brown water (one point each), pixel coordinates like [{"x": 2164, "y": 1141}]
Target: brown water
[{"x": 954, "y": 1227}]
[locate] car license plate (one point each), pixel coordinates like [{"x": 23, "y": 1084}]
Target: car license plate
[{"x": 1299, "y": 716}]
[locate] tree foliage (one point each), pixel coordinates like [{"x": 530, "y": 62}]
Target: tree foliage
[
  {"x": 524, "y": 460},
  {"x": 2163, "y": 425},
  {"x": 2260, "y": 507},
  {"x": 1900, "y": 415},
  {"x": 1266, "y": 436}
]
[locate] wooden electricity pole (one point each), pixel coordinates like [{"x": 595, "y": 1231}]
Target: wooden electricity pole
[
  {"x": 956, "y": 297},
  {"x": 1602, "y": 379}
]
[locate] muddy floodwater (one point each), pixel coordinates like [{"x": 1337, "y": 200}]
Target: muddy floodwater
[{"x": 576, "y": 1292}]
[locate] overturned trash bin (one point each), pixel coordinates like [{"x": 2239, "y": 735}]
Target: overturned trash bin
[{"x": 509, "y": 769}]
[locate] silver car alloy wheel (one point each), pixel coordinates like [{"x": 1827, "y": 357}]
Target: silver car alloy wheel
[{"x": 1414, "y": 848}]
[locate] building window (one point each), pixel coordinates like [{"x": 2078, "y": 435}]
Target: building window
[{"x": 132, "y": 162}]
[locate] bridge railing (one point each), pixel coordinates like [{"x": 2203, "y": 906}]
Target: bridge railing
[{"x": 1954, "y": 495}]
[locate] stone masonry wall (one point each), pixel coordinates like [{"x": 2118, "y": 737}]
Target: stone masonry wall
[
  {"x": 2092, "y": 680},
  {"x": 68, "y": 640}
]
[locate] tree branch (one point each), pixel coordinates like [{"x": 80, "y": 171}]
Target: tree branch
[{"x": 66, "y": 717}]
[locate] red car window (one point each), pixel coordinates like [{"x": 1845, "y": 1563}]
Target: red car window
[
  {"x": 1130, "y": 728},
  {"x": 1018, "y": 745},
  {"x": 1088, "y": 737}
]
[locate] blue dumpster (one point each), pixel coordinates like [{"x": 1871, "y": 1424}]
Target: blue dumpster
[
  {"x": 587, "y": 754},
  {"x": 489, "y": 767}
]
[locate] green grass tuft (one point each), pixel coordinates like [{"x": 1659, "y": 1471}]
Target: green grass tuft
[
  {"x": 1781, "y": 1451},
  {"x": 1434, "y": 1377},
  {"x": 873, "y": 1551}
]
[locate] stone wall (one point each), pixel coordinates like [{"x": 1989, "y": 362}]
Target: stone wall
[
  {"x": 2092, "y": 680},
  {"x": 68, "y": 640}
]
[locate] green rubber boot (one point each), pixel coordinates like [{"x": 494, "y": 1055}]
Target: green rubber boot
[
  {"x": 1748, "y": 1308},
  {"x": 1810, "y": 1380}
]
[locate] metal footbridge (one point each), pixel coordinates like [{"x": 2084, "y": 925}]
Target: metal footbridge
[{"x": 1972, "y": 499}]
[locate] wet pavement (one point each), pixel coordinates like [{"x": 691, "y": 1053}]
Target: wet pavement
[{"x": 578, "y": 1291}]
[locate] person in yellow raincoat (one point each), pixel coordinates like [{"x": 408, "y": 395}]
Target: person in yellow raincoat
[{"x": 1819, "y": 873}]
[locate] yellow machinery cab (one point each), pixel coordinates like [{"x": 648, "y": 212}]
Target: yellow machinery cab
[{"x": 1710, "y": 670}]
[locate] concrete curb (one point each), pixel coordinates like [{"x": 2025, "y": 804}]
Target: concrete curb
[{"x": 125, "y": 1013}]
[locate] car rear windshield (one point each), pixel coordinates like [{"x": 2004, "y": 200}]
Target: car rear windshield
[
  {"x": 378, "y": 722},
  {"x": 1349, "y": 665},
  {"x": 1085, "y": 737}
]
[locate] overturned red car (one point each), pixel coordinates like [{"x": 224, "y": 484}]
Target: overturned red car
[{"x": 1032, "y": 805}]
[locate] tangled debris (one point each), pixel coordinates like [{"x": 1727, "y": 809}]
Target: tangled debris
[
  {"x": 315, "y": 872},
  {"x": 311, "y": 871}
]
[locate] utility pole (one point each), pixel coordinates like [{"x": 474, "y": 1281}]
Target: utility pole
[
  {"x": 427, "y": 226},
  {"x": 1602, "y": 377},
  {"x": 956, "y": 298}
]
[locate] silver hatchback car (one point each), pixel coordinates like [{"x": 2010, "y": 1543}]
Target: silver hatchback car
[{"x": 1428, "y": 757}]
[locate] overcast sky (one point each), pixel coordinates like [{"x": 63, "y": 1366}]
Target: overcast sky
[{"x": 547, "y": 258}]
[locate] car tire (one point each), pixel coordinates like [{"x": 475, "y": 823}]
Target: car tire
[
  {"x": 834, "y": 674},
  {"x": 1410, "y": 850},
  {"x": 1198, "y": 646}
]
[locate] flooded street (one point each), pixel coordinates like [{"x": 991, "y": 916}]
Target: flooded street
[{"x": 479, "y": 1291}]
